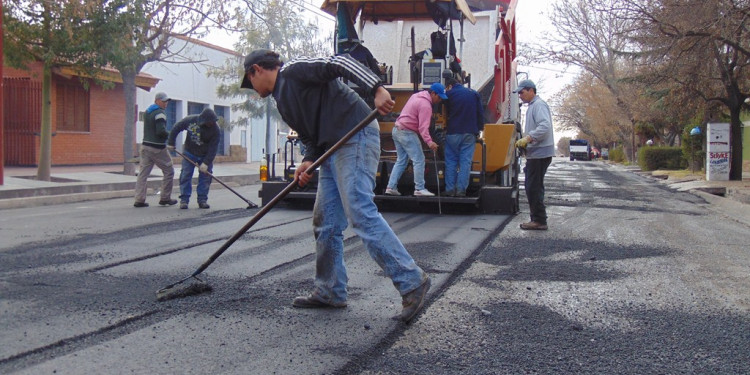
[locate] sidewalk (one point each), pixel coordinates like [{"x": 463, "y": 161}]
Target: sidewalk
[
  {"x": 93, "y": 182},
  {"x": 732, "y": 198},
  {"x": 84, "y": 183}
]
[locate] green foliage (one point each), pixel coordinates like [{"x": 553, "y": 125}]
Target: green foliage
[
  {"x": 651, "y": 158},
  {"x": 57, "y": 33},
  {"x": 617, "y": 155},
  {"x": 280, "y": 25}
]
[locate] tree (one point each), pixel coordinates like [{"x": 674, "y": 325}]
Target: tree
[
  {"x": 57, "y": 33},
  {"x": 279, "y": 25},
  {"x": 145, "y": 32},
  {"x": 589, "y": 34},
  {"x": 702, "y": 46},
  {"x": 588, "y": 107},
  {"x": 563, "y": 146}
]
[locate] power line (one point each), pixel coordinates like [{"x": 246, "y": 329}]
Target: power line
[
  {"x": 310, "y": 7},
  {"x": 549, "y": 69}
]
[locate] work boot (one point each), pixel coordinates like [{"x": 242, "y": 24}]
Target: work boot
[
  {"x": 461, "y": 194},
  {"x": 168, "y": 202},
  {"x": 450, "y": 193},
  {"x": 312, "y": 302},
  {"x": 533, "y": 225},
  {"x": 390, "y": 191},
  {"x": 414, "y": 300},
  {"x": 203, "y": 205},
  {"x": 183, "y": 205},
  {"x": 140, "y": 204}
]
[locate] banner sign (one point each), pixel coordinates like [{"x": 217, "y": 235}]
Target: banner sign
[{"x": 718, "y": 152}]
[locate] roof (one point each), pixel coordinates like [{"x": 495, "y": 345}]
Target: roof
[
  {"x": 206, "y": 44},
  {"x": 142, "y": 80}
]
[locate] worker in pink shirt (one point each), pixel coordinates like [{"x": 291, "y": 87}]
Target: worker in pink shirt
[{"x": 413, "y": 122}]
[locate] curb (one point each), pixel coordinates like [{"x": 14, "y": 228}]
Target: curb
[
  {"x": 728, "y": 207},
  {"x": 48, "y": 200},
  {"x": 31, "y": 197}
]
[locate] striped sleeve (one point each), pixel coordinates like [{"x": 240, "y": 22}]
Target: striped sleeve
[{"x": 324, "y": 69}]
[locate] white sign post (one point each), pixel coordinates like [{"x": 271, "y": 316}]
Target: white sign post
[{"x": 718, "y": 152}]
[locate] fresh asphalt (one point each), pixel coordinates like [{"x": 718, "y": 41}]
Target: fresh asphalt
[{"x": 632, "y": 277}]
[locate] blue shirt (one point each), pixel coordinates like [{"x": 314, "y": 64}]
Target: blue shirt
[{"x": 465, "y": 111}]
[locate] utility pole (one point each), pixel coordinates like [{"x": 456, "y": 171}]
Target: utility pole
[{"x": 2, "y": 121}]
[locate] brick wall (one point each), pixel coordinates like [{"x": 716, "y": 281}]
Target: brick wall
[{"x": 102, "y": 144}]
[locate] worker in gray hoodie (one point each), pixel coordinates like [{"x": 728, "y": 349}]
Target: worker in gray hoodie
[{"x": 539, "y": 143}]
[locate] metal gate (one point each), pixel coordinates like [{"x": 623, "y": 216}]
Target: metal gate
[{"x": 22, "y": 120}]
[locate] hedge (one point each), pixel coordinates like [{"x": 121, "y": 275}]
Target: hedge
[{"x": 651, "y": 158}]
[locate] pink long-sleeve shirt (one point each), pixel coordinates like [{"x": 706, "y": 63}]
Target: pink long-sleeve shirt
[{"x": 417, "y": 114}]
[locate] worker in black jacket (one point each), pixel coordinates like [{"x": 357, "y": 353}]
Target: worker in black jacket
[
  {"x": 314, "y": 102},
  {"x": 201, "y": 145}
]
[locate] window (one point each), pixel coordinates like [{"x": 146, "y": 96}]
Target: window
[
  {"x": 195, "y": 108},
  {"x": 72, "y": 106},
  {"x": 171, "y": 112}
]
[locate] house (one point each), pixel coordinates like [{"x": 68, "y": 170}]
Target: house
[
  {"x": 185, "y": 79},
  {"x": 86, "y": 124}
]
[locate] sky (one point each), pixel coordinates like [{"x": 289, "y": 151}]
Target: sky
[{"x": 531, "y": 23}]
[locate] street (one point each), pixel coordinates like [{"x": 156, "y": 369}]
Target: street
[{"x": 631, "y": 278}]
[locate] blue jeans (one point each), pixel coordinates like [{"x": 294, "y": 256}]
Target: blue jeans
[
  {"x": 345, "y": 190},
  {"x": 459, "y": 152},
  {"x": 408, "y": 146},
  {"x": 186, "y": 179}
]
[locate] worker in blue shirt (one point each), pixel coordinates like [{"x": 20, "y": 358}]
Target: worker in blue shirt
[{"x": 465, "y": 121}]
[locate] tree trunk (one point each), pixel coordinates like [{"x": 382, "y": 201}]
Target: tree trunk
[
  {"x": 128, "y": 143},
  {"x": 735, "y": 134},
  {"x": 45, "y": 137}
]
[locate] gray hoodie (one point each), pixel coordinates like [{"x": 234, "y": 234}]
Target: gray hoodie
[{"x": 539, "y": 127}]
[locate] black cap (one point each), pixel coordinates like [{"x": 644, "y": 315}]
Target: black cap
[{"x": 250, "y": 60}]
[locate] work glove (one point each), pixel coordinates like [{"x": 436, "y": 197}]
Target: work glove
[
  {"x": 203, "y": 168},
  {"x": 521, "y": 143},
  {"x": 170, "y": 148}
]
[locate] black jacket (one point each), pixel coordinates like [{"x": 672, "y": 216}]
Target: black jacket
[
  {"x": 316, "y": 104},
  {"x": 201, "y": 140}
]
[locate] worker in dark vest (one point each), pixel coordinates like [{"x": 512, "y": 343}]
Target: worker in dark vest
[{"x": 153, "y": 152}]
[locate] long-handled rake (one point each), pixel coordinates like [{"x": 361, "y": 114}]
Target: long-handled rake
[
  {"x": 249, "y": 203},
  {"x": 174, "y": 291}
]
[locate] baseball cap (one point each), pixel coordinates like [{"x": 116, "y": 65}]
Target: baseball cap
[
  {"x": 250, "y": 60},
  {"x": 439, "y": 89},
  {"x": 162, "y": 96},
  {"x": 525, "y": 84}
]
